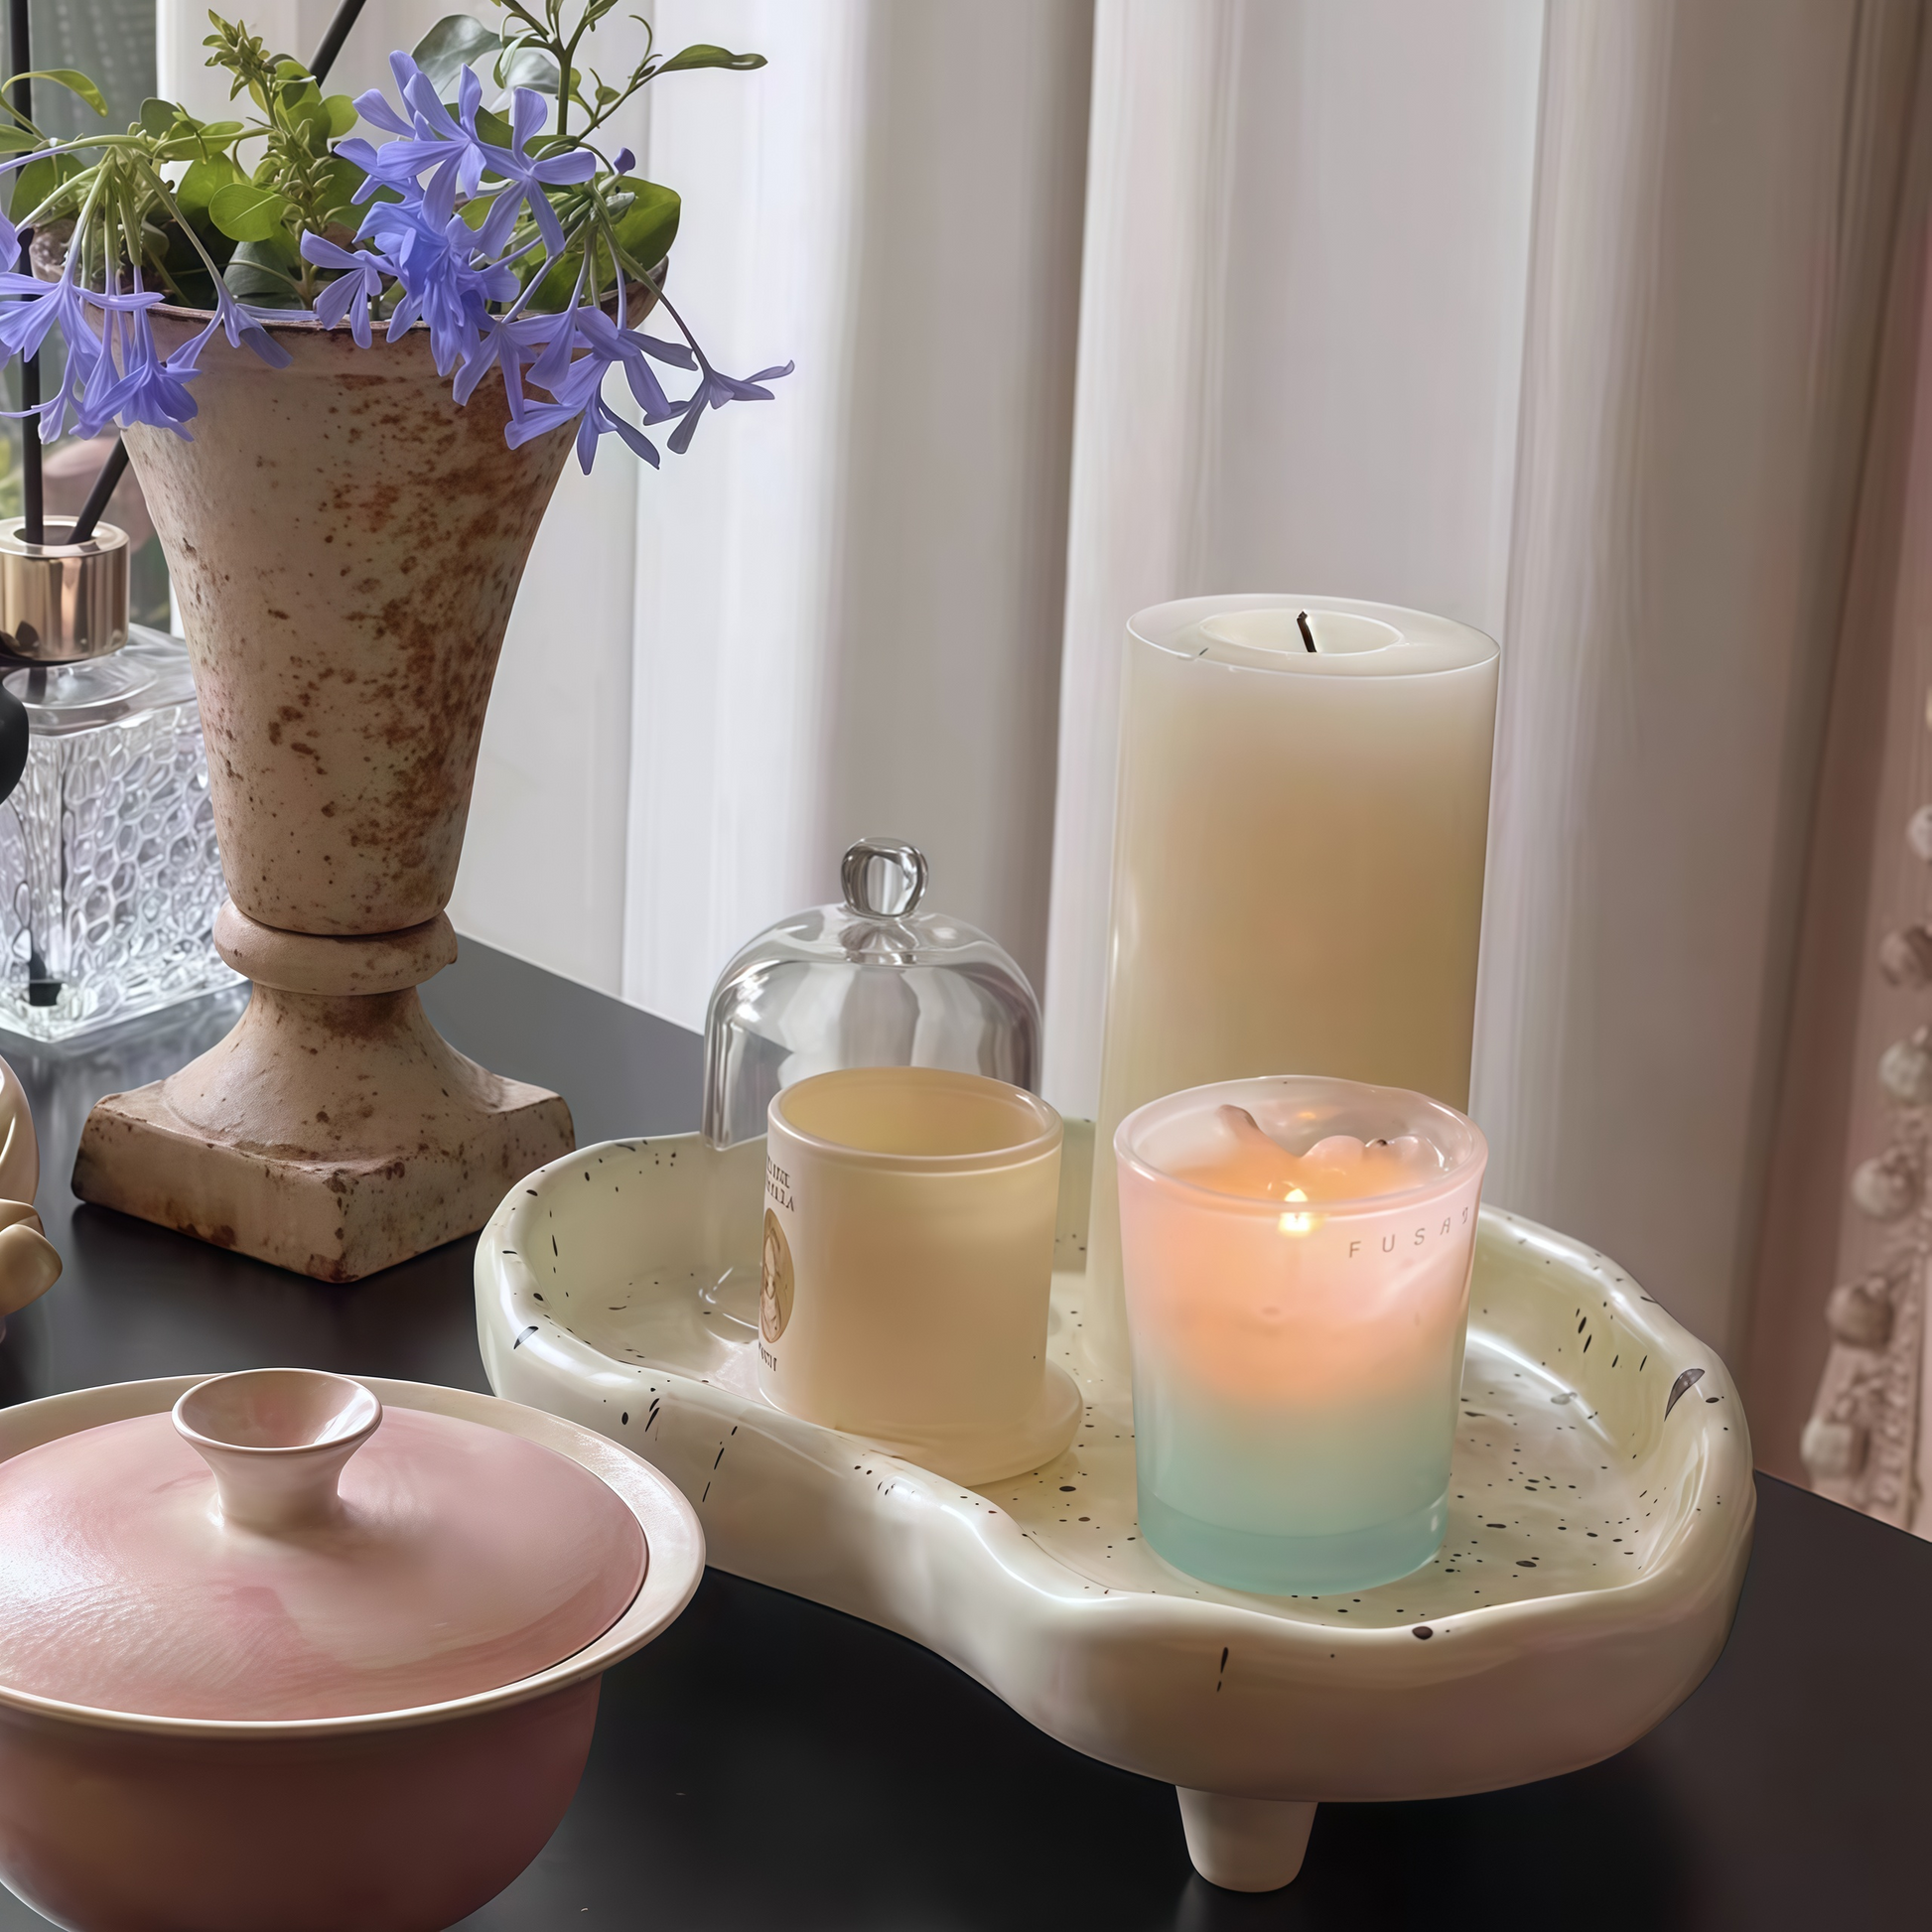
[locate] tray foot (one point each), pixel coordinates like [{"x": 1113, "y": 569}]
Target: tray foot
[{"x": 1244, "y": 1844}]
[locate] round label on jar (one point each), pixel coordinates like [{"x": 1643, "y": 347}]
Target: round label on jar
[{"x": 775, "y": 1280}]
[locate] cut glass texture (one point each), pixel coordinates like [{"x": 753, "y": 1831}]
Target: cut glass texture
[{"x": 108, "y": 864}]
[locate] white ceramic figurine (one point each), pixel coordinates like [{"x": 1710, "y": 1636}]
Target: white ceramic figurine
[{"x": 29, "y": 1266}]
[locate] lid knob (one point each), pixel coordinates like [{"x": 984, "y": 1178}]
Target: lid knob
[
  {"x": 277, "y": 1439},
  {"x": 884, "y": 878}
]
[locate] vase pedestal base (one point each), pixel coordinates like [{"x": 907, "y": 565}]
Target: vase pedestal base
[{"x": 333, "y": 1132}]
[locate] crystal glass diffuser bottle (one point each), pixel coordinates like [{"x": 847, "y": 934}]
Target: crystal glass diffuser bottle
[{"x": 109, "y": 876}]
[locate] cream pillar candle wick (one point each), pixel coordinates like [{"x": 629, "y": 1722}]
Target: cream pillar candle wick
[{"x": 1303, "y": 810}]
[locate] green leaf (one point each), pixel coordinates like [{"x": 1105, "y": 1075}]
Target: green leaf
[
  {"x": 205, "y": 180},
  {"x": 494, "y": 127},
  {"x": 530, "y": 67},
  {"x": 252, "y": 276},
  {"x": 645, "y": 231},
  {"x": 337, "y": 181},
  {"x": 186, "y": 268},
  {"x": 281, "y": 247},
  {"x": 312, "y": 121},
  {"x": 648, "y": 226},
  {"x": 279, "y": 250},
  {"x": 703, "y": 54},
  {"x": 450, "y": 45},
  {"x": 557, "y": 282},
  {"x": 16, "y": 140},
  {"x": 158, "y": 118},
  {"x": 38, "y": 179},
  {"x": 73, "y": 81},
  {"x": 247, "y": 211},
  {"x": 340, "y": 110}
]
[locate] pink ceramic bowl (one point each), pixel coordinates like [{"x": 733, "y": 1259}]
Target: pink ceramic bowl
[{"x": 395, "y": 1821}]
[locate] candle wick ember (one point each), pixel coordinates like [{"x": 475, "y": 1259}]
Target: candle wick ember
[{"x": 1308, "y": 636}]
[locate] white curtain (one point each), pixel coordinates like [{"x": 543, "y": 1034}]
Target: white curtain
[
  {"x": 1717, "y": 198},
  {"x": 1558, "y": 317}
]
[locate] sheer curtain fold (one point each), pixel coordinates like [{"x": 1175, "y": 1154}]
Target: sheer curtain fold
[
  {"x": 1863, "y": 880},
  {"x": 1717, "y": 197},
  {"x": 849, "y": 604}
]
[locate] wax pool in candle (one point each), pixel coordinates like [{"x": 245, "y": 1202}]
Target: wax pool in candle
[
  {"x": 1297, "y": 1324},
  {"x": 1243, "y": 1159}
]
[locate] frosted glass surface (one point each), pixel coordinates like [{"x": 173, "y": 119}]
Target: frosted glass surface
[{"x": 1297, "y": 1344}]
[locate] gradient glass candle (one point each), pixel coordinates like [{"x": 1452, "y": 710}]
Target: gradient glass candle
[{"x": 1296, "y": 1255}]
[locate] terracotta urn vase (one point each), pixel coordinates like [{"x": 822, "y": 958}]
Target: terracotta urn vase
[{"x": 346, "y": 544}]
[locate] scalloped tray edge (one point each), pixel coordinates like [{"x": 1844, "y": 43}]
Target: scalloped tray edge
[{"x": 1247, "y": 1697}]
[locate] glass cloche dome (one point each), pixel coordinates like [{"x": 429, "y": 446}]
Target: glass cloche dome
[{"x": 872, "y": 982}]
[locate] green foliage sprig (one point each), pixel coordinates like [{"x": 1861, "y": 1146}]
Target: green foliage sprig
[{"x": 514, "y": 240}]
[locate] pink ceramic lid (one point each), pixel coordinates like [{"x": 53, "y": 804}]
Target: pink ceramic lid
[{"x": 282, "y": 1547}]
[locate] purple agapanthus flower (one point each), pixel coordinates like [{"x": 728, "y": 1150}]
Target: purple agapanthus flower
[
  {"x": 578, "y": 397},
  {"x": 112, "y": 369},
  {"x": 243, "y": 327},
  {"x": 39, "y": 308},
  {"x": 715, "y": 390},
  {"x": 443, "y": 285},
  {"x": 433, "y": 139},
  {"x": 149, "y": 388},
  {"x": 452, "y": 277},
  {"x": 509, "y": 343},
  {"x": 572, "y": 364},
  {"x": 632, "y": 349},
  {"x": 529, "y": 178},
  {"x": 357, "y": 284}
]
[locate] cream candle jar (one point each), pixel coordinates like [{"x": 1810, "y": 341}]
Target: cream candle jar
[
  {"x": 908, "y": 1261},
  {"x": 1296, "y": 1255}
]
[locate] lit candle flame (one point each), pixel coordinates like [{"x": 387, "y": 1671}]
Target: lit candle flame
[{"x": 1296, "y": 1223}]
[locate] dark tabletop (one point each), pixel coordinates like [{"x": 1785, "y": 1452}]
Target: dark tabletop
[{"x": 771, "y": 1765}]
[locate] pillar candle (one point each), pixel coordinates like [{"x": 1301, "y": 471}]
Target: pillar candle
[{"x": 1301, "y": 813}]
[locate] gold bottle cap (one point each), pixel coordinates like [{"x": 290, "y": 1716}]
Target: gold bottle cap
[{"x": 63, "y": 603}]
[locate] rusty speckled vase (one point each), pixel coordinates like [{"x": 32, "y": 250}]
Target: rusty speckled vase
[{"x": 346, "y": 545}]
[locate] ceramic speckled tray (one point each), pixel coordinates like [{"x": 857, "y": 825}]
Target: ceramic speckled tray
[{"x": 1600, "y": 1513}]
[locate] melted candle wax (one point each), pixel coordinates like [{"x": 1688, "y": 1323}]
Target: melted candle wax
[{"x": 1338, "y": 1167}]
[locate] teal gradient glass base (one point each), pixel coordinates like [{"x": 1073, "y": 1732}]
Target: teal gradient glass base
[{"x": 1294, "y": 1565}]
